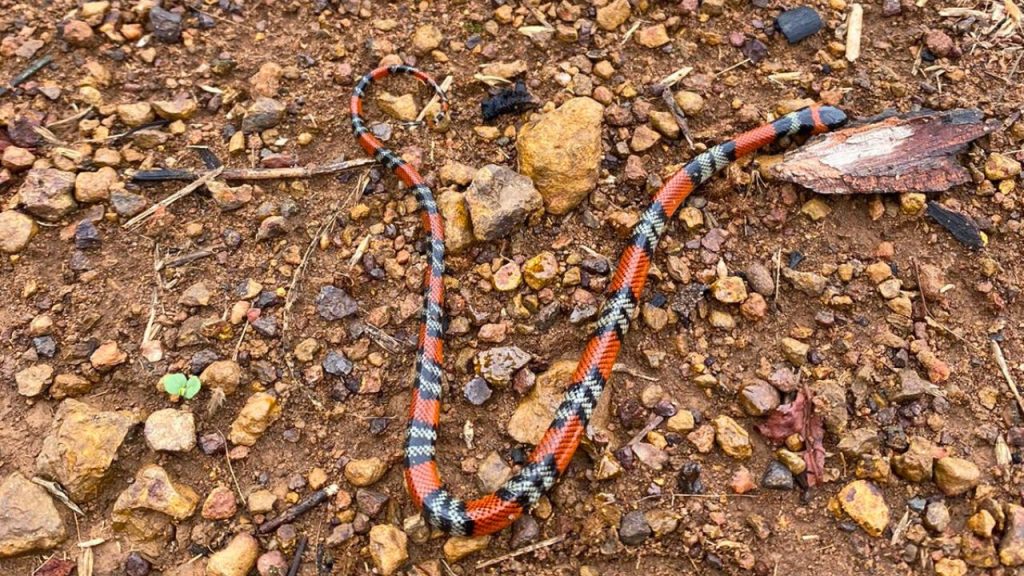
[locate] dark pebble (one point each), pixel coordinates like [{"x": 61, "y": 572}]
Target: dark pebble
[
  {"x": 45, "y": 346},
  {"x": 136, "y": 565},
  {"x": 525, "y": 531},
  {"x": 596, "y": 265},
  {"x": 333, "y": 303},
  {"x": 266, "y": 326},
  {"x": 336, "y": 364},
  {"x": 631, "y": 413},
  {"x": 87, "y": 237},
  {"x": 378, "y": 426},
  {"x": 754, "y": 49},
  {"x": 634, "y": 529},
  {"x": 232, "y": 239},
  {"x": 370, "y": 502},
  {"x": 268, "y": 299},
  {"x": 212, "y": 443},
  {"x": 201, "y": 359},
  {"x": 689, "y": 481},
  {"x": 777, "y": 476},
  {"x": 165, "y": 25},
  {"x": 798, "y": 23},
  {"x": 665, "y": 409},
  {"x": 477, "y": 391}
]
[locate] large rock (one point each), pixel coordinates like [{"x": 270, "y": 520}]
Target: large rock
[
  {"x": 82, "y": 445},
  {"x": 1011, "y": 548},
  {"x": 863, "y": 502},
  {"x": 956, "y": 475},
  {"x": 16, "y": 230},
  {"x": 561, "y": 153},
  {"x": 388, "y": 548},
  {"x": 264, "y": 113},
  {"x": 260, "y": 411},
  {"x": 235, "y": 559},
  {"x": 458, "y": 232},
  {"x": 499, "y": 199},
  {"x": 29, "y": 521},
  {"x": 146, "y": 510},
  {"x": 171, "y": 430},
  {"x": 46, "y": 193},
  {"x": 534, "y": 414}
]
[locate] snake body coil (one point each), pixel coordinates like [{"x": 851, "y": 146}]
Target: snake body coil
[{"x": 552, "y": 455}]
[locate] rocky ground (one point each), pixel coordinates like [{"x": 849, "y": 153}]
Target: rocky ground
[{"x": 811, "y": 385}]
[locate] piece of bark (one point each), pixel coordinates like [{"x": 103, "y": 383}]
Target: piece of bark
[
  {"x": 906, "y": 153},
  {"x": 960, "y": 225}
]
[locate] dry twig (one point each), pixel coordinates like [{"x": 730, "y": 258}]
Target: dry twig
[
  {"x": 520, "y": 551},
  {"x": 195, "y": 185},
  {"x": 1001, "y": 362}
]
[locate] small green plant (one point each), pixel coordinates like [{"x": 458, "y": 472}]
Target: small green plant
[{"x": 177, "y": 384}]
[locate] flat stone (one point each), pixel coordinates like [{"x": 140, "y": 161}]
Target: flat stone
[
  {"x": 16, "y": 231},
  {"x": 533, "y": 415},
  {"x": 458, "y": 547},
  {"x": 955, "y": 476},
  {"x": 29, "y": 520},
  {"x": 146, "y": 510},
  {"x": 260, "y": 411},
  {"x": 634, "y": 529},
  {"x": 652, "y": 36},
  {"x": 561, "y": 152},
  {"x": 261, "y": 501},
  {"x": 613, "y": 15},
  {"x": 426, "y": 38},
  {"x": 758, "y": 398},
  {"x": 33, "y": 380},
  {"x": 729, "y": 290},
  {"x": 46, "y": 193},
  {"x": 171, "y": 430},
  {"x": 499, "y": 365},
  {"x": 235, "y": 559},
  {"x": 1011, "y": 547},
  {"x": 732, "y": 438},
  {"x": 916, "y": 464},
  {"x": 807, "y": 282},
  {"x": 223, "y": 374},
  {"x": 365, "y": 472},
  {"x": 220, "y": 504},
  {"x": 195, "y": 295},
  {"x": 135, "y": 114},
  {"x": 17, "y": 159},
  {"x": 334, "y": 303},
  {"x": 499, "y": 200},
  {"x": 388, "y": 548},
  {"x": 864, "y": 503},
  {"x": 262, "y": 114},
  {"x": 177, "y": 109},
  {"x": 81, "y": 446}
]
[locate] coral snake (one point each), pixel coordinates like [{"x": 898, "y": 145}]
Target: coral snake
[{"x": 552, "y": 455}]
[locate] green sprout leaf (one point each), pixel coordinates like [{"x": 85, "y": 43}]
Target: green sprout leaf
[
  {"x": 192, "y": 387},
  {"x": 174, "y": 384},
  {"x": 177, "y": 384}
]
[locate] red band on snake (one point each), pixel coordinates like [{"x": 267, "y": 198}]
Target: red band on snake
[{"x": 552, "y": 455}]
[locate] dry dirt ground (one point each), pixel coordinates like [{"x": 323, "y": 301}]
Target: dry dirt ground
[{"x": 321, "y": 52}]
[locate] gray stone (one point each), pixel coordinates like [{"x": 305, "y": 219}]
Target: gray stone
[
  {"x": 334, "y": 303},
  {"x": 29, "y": 521},
  {"x": 634, "y": 529},
  {"x": 777, "y": 476},
  {"x": 264, "y": 113},
  {"x": 165, "y": 25},
  {"x": 499, "y": 199},
  {"x": 47, "y": 193}
]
